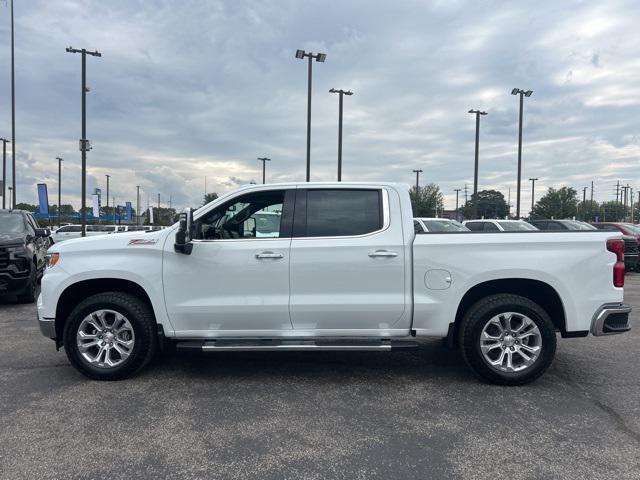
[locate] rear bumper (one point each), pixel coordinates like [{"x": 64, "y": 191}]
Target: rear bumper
[
  {"x": 630, "y": 261},
  {"x": 610, "y": 319}
]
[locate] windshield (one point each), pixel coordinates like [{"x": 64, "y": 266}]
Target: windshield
[
  {"x": 516, "y": 226},
  {"x": 11, "y": 223},
  {"x": 444, "y": 226},
  {"x": 576, "y": 225}
]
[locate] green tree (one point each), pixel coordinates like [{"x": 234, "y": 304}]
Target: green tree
[
  {"x": 557, "y": 203},
  {"x": 491, "y": 204},
  {"x": 613, "y": 211},
  {"x": 588, "y": 210},
  {"x": 428, "y": 201},
  {"x": 209, "y": 197},
  {"x": 28, "y": 207}
]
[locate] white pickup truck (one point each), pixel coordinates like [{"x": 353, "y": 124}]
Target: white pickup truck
[{"x": 341, "y": 270}]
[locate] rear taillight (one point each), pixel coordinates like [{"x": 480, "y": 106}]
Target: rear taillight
[{"x": 616, "y": 245}]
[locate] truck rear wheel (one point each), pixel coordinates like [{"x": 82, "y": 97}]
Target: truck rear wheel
[
  {"x": 110, "y": 336},
  {"x": 507, "y": 339}
]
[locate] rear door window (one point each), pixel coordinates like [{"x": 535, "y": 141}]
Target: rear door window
[
  {"x": 490, "y": 227},
  {"x": 475, "y": 226},
  {"x": 338, "y": 212}
]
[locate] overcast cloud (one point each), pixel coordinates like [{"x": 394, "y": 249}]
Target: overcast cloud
[{"x": 191, "y": 89}]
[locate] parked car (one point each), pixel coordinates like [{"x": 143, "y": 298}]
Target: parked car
[
  {"x": 498, "y": 226},
  {"x": 69, "y": 232},
  {"x": 440, "y": 225},
  {"x": 23, "y": 246},
  {"x": 345, "y": 272},
  {"x": 631, "y": 252},
  {"x": 629, "y": 230}
]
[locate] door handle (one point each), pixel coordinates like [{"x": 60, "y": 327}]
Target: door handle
[
  {"x": 383, "y": 253},
  {"x": 269, "y": 255}
]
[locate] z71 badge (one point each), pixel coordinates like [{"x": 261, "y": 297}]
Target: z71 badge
[{"x": 143, "y": 241}]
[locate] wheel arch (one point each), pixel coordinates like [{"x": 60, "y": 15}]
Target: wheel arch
[
  {"x": 76, "y": 292},
  {"x": 535, "y": 290}
]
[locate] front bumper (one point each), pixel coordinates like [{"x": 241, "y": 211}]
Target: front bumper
[
  {"x": 47, "y": 325},
  {"x": 610, "y": 319},
  {"x": 9, "y": 283}
]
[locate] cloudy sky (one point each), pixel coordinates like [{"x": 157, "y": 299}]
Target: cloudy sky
[{"x": 188, "y": 89}]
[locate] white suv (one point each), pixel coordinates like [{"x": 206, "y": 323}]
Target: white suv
[{"x": 498, "y": 226}]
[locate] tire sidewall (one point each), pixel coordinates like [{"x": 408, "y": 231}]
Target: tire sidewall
[
  {"x": 478, "y": 317},
  {"x": 144, "y": 341}
]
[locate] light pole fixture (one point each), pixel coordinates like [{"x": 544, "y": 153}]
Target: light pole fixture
[
  {"x": 457, "y": 190},
  {"x": 13, "y": 114},
  {"x": 137, "y": 204},
  {"x": 264, "y": 161},
  {"x": 417, "y": 172},
  {"x": 4, "y": 170},
  {"x": 522, "y": 93},
  {"x": 319, "y": 57},
  {"x": 84, "y": 143},
  {"x": 341, "y": 93},
  {"x": 60, "y": 160},
  {"x": 107, "y": 207},
  {"x": 477, "y": 113},
  {"x": 533, "y": 189}
]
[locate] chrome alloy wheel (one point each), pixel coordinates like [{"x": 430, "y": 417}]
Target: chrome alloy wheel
[
  {"x": 510, "y": 342},
  {"x": 105, "y": 338}
]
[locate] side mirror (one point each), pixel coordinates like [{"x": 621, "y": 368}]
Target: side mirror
[
  {"x": 43, "y": 232},
  {"x": 184, "y": 234}
]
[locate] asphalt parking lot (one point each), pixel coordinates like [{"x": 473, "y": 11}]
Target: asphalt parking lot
[{"x": 418, "y": 414}]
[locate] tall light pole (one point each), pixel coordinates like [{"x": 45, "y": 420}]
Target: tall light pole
[
  {"x": 319, "y": 57},
  {"x": 457, "y": 190},
  {"x": 341, "y": 93},
  {"x": 84, "y": 143},
  {"x": 533, "y": 194},
  {"x": 264, "y": 161},
  {"x": 417, "y": 172},
  {"x": 4, "y": 170},
  {"x": 60, "y": 160},
  {"x": 137, "y": 204},
  {"x": 477, "y": 113},
  {"x": 10, "y": 198},
  {"x": 584, "y": 201},
  {"x": 107, "y": 207},
  {"x": 13, "y": 114},
  {"x": 522, "y": 93}
]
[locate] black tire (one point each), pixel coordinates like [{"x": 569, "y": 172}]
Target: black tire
[
  {"x": 29, "y": 293},
  {"x": 478, "y": 316},
  {"x": 141, "y": 318}
]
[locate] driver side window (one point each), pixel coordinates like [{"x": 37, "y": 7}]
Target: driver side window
[{"x": 254, "y": 215}]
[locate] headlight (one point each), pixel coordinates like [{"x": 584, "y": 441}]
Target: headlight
[
  {"x": 16, "y": 249},
  {"x": 51, "y": 259}
]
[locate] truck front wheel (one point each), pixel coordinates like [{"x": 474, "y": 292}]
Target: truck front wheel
[
  {"x": 507, "y": 339},
  {"x": 110, "y": 336}
]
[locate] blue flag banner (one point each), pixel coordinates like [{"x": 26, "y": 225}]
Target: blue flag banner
[
  {"x": 128, "y": 215},
  {"x": 43, "y": 198}
]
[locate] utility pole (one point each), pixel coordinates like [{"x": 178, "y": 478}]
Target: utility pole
[
  {"x": 10, "y": 198},
  {"x": 457, "y": 190},
  {"x": 4, "y": 171},
  {"x": 477, "y": 113},
  {"x": 60, "y": 160},
  {"x": 13, "y": 115},
  {"x": 522, "y": 93},
  {"x": 509, "y": 203},
  {"x": 319, "y": 57},
  {"x": 341, "y": 94},
  {"x": 591, "y": 202},
  {"x": 417, "y": 172},
  {"x": 584, "y": 203},
  {"x": 158, "y": 214},
  {"x": 264, "y": 161},
  {"x": 617, "y": 193},
  {"x": 107, "y": 207},
  {"x": 533, "y": 193},
  {"x": 137, "y": 204},
  {"x": 466, "y": 191},
  {"x": 84, "y": 143}
]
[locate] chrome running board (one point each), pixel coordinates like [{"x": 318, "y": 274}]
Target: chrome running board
[{"x": 257, "y": 345}]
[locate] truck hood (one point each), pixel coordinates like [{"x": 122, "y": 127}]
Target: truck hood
[
  {"x": 113, "y": 241},
  {"x": 11, "y": 238}
]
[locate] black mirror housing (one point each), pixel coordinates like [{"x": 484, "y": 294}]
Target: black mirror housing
[
  {"x": 43, "y": 232},
  {"x": 184, "y": 235}
]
